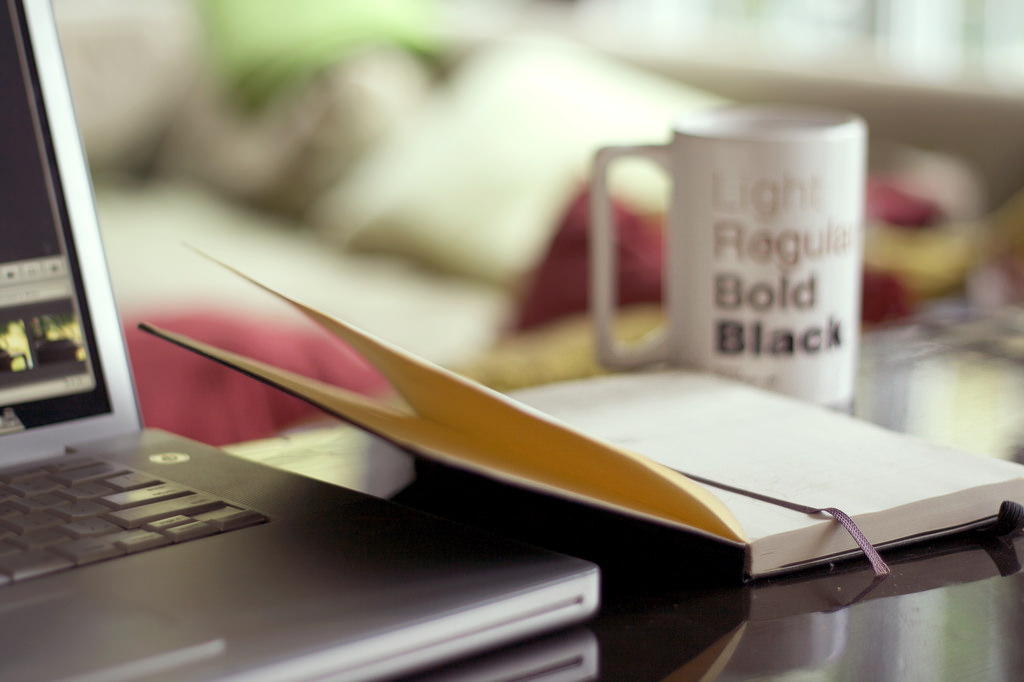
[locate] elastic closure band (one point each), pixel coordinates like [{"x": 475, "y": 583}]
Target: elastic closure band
[{"x": 1009, "y": 521}]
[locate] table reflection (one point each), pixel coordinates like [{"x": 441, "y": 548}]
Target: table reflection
[
  {"x": 946, "y": 612},
  {"x": 952, "y": 376}
]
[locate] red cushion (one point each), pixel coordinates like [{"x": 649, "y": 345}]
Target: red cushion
[
  {"x": 887, "y": 202},
  {"x": 559, "y": 285},
  {"x": 193, "y": 396}
]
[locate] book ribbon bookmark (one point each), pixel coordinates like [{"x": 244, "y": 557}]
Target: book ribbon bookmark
[{"x": 878, "y": 564}]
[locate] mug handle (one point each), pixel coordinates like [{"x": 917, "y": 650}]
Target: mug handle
[{"x": 604, "y": 286}]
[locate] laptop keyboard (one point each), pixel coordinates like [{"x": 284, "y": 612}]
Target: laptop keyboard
[{"x": 76, "y": 511}]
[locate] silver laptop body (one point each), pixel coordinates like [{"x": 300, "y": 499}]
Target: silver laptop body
[{"x": 319, "y": 582}]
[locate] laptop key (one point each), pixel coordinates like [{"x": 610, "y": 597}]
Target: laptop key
[
  {"x": 190, "y": 531},
  {"x": 87, "y": 528},
  {"x": 87, "y": 550},
  {"x": 153, "y": 493},
  {"x": 26, "y": 523},
  {"x": 33, "y": 563},
  {"x": 22, "y": 473},
  {"x": 231, "y": 518},
  {"x": 38, "y": 503},
  {"x": 69, "y": 463},
  {"x": 40, "y": 538},
  {"x": 161, "y": 525},
  {"x": 35, "y": 486},
  {"x": 89, "y": 473},
  {"x": 84, "y": 491},
  {"x": 132, "y": 541},
  {"x": 76, "y": 511},
  {"x": 132, "y": 480},
  {"x": 137, "y": 516}
]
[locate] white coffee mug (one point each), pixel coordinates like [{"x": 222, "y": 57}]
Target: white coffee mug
[{"x": 763, "y": 250}]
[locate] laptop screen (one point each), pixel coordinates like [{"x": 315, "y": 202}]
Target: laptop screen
[{"x": 49, "y": 368}]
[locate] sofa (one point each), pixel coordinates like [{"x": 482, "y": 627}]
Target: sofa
[{"x": 364, "y": 162}]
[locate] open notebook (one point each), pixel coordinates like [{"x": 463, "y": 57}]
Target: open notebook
[{"x": 621, "y": 443}]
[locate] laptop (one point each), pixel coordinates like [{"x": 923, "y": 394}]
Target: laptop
[{"x": 128, "y": 553}]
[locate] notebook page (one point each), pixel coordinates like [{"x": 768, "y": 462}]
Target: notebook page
[{"x": 770, "y": 444}]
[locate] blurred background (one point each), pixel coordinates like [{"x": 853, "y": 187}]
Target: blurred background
[{"x": 419, "y": 167}]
